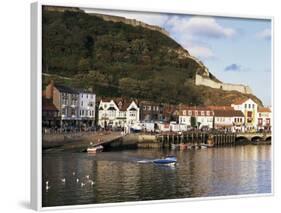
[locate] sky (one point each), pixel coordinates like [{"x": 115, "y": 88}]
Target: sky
[{"x": 235, "y": 50}]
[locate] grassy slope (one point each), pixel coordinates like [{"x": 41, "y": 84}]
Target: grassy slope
[{"x": 117, "y": 59}]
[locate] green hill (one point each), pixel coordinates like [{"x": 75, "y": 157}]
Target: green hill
[{"x": 118, "y": 59}]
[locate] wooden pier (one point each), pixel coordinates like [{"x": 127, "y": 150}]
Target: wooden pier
[
  {"x": 196, "y": 139},
  {"x": 211, "y": 139}
]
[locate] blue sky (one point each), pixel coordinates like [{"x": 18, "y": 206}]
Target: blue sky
[{"x": 235, "y": 50}]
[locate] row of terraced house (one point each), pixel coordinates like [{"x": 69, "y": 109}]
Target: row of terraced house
[{"x": 65, "y": 107}]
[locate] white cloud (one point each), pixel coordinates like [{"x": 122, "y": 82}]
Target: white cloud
[
  {"x": 198, "y": 49},
  {"x": 264, "y": 34},
  {"x": 184, "y": 29},
  {"x": 199, "y": 26},
  {"x": 201, "y": 52}
]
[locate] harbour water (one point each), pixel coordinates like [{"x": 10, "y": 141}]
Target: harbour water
[{"x": 118, "y": 176}]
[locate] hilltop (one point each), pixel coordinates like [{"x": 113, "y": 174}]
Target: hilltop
[{"x": 119, "y": 59}]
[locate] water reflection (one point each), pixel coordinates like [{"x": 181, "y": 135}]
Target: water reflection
[{"x": 117, "y": 176}]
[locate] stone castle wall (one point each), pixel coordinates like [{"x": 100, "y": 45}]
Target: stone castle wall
[
  {"x": 132, "y": 22},
  {"x": 61, "y": 9},
  {"x": 199, "y": 80}
]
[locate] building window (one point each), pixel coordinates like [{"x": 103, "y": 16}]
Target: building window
[
  {"x": 196, "y": 113},
  {"x": 208, "y": 113},
  {"x": 249, "y": 105},
  {"x": 144, "y": 107},
  {"x": 202, "y": 113},
  {"x": 189, "y": 112},
  {"x": 184, "y": 112},
  {"x": 81, "y": 103},
  {"x": 148, "y": 107},
  {"x": 253, "y": 106},
  {"x": 249, "y": 114},
  {"x": 132, "y": 114},
  {"x": 267, "y": 121},
  {"x": 245, "y": 106}
]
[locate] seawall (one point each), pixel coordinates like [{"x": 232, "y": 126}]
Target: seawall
[{"x": 72, "y": 140}]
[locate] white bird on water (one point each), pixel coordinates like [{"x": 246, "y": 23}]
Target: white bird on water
[
  {"x": 82, "y": 184},
  {"x": 73, "y": 173},
  {"x": 88, "y": 176},
  {"x": 47, "y": 188},
  {"x": 92, "y": 183},
  {"x": 63, "y": 180},
  {"x": 77, "y": 180}
]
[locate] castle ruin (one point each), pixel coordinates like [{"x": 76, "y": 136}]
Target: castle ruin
[
  {"x": 132, "y": 22},
  {"x": 200, "y": 80}
]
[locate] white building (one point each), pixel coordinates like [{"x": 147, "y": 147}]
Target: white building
[
  {"x": 229, "y": 120},
  {"x": 86, "y": 107},
  {"x": 250, "y": 111},
  {"x": 118, "y": 115},
  {"x": 264, "y": 118},
  {"x": 108, "y": 113},
  {"x": 132, "y": 114},
  {"x": 203, "y": 117}
]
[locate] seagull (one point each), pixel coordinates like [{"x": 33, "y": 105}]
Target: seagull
[
  {"x": 88, "y": 176},
  {"x": 47, "y": 187},
  {"x": 73, "y": 173},
  {"x": 47, "y": 182},
  {"x": 92, "y": 183},
  {"x": 63, "y": 180},
  {"x": 77, "y": 180},
  {"x": 82, "y": 184}
]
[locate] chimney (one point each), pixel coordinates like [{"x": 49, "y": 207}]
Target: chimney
[{"x": 50, "y": 90}]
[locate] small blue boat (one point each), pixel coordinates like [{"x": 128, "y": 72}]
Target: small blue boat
[{"x": 169, "y": 160}]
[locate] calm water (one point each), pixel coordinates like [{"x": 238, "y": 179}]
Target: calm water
[{"x": 119, "y": 177}]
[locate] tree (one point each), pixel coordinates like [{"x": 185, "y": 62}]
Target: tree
[
  {"x": 84, "y": 64},
  {"x": 193, "y": 121}
]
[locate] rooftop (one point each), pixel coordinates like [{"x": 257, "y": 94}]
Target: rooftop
[
  {"x": 264, "y": 109},
  {"x": 65, "y": 89},
  {"x": 228, "y": 113}
]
